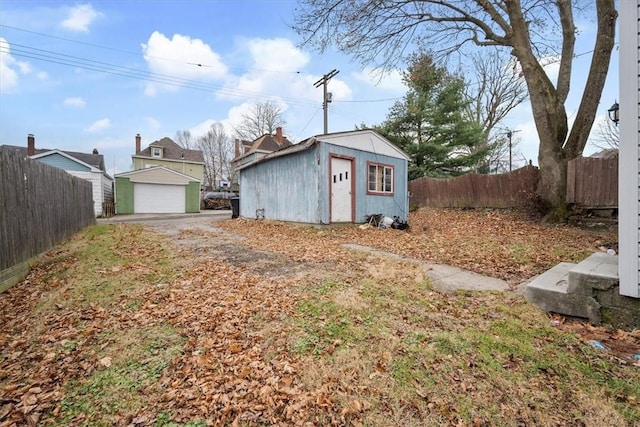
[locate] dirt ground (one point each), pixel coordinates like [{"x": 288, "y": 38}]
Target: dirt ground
[{"x": 236, "y": 302}]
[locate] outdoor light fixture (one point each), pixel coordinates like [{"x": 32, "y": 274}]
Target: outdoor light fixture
[{"x": 614, "y": 113}]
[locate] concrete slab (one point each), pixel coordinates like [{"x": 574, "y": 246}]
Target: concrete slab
[
  {"x": 549, "y": 291},
  {"x": 598, "y": 271},
  {"x": 445, "y": 278},
  {"x": 213, "y": 214}
]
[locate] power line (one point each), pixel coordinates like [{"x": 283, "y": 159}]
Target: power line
[
  {"x": 113, "y": 49},
  {"x": 113, "y": 69}
]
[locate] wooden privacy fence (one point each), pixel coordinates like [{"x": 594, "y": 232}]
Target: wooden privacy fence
[
  {"x": 593, "y": 182},
  {"x": 473, "y": 190},
  {"x": 39, "y": 206}
]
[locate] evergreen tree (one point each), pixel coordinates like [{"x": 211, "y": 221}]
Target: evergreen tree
[{"x": 431, "y": 122}]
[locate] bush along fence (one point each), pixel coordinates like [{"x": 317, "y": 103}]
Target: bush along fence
[
  {"x": 513, "y": 189},
  {"x": 39, "y": 206}
]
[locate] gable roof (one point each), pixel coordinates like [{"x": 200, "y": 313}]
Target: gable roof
[
  {"x": 363, "y": 140},
  {"x": 87, "y": 159},
  {"x": 172, "y": 151},
  {"x": 157, "y": 175},
  {"x": 268, "y": 142}
]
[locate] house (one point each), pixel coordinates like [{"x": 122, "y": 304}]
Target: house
[
  {"x": 166, "y": 178},
  {"x": 83, "y": 165},
  {"x": 629, "y": 159},
  {"x": 156, "y": 189},
  {"x": 249, "y": 151},
  {"x": 165, "y": 152},
  {"x": 334, "y": 178}
]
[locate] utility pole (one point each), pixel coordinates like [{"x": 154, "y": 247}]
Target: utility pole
[
  {"x": 326, "y": 99},
  {"x": 509, "y": 135}
]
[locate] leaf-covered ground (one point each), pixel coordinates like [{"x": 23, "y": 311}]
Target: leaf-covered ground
[{"x": 261, "y": 323}]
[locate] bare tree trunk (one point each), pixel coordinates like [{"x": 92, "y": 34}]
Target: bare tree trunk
[{"x": 547, "y": 103}]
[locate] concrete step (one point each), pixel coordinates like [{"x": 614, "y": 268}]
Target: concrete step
[
  {"x": 550, "y": 291},
  {"x": 597, "y": 272},
  {"x": 590, "y": 289}
]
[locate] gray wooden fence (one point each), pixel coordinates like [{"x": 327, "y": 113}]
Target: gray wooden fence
[
  {"x": 39, "y": 206},
  {"x": 593, "y": 182},
  {"x": 513, "y": 189}
]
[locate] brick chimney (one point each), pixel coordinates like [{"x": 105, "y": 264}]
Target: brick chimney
[
  {"x": 31, "y": 145},
  {"x": 279, "y": 135},
  {"x": 138, "y": 139},
  {"x": 95, "y": 151}
]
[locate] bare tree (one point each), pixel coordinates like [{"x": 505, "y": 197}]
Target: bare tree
[
  {"x": 498, "y": 88},
  {"x": 185, "y": 140},
  {"x": 606, "y": 135},
  {"x": 382, "y": 31},
  {"x": 217, "y": 149},
  {"x": 263, "y": 118}
]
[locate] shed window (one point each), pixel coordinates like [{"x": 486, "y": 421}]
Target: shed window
[{"x": 380, "y": 178}]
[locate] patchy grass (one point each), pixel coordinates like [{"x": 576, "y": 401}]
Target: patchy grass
[{"x": 115, "y": 328}]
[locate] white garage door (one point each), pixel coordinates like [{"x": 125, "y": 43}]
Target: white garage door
[{"x": 156, "y": 198}]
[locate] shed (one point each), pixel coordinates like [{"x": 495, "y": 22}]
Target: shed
[
  {"x": 334, "y": 178},
  {"x": 156, "y": 190}
]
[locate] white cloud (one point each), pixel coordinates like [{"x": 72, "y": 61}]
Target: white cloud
[
  {"x": 25, "y": 67},
  {"x": 274, "y": 70},
  {"x": 181, "y": 57},
  {"x": 80, "y": 17},
  {"x": 8, "y": 76},
  {"x": 75, "y": 102},
  {"x": 99, "y": 125},
  {"x": 152, "y": 123},
  {"x": 42, "y": 75},
  {"x": 10, "y": 68}
]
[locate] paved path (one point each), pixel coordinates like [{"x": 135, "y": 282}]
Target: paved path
[{"x": 445, "y": 278}]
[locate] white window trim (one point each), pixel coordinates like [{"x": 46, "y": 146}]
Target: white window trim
[{"x": 385, "y": 169}]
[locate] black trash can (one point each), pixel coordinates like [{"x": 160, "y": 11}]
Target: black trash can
[{"x": 235, "y": 207}]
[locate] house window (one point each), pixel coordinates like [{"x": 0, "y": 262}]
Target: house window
[
  {"x": 380, "y": 178},
  {"x": 156, "y": 152}
]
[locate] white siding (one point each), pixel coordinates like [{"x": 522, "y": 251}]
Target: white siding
[
  {"x": 95, "y": 178},
  {"x": 629, "y": 168},
  {"x": 364, "y": 140}
]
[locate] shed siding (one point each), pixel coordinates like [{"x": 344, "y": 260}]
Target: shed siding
[
  {"x": 285, "y": 187},
  {"x": 58, "y": 161},
  {"x": 367, "y": 204},
  {"x": 296, "y": 187},
  {"x": 629, "y": 167}
]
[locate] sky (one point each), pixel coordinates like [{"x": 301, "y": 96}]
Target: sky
[{"x": 84, "y": 75}]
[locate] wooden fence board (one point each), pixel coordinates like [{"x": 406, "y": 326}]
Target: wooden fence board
[
  {"x": 39, "y": 206},
  {"x": 593, "y": 182},
  {"x": 476, "y": 191}
]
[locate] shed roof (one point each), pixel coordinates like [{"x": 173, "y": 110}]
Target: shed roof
[{"x": 358, "y": 140}]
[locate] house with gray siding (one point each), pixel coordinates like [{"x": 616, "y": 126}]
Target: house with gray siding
[
  {"x": 629, "y": 160},
  {"x": 335, "y": 178},
  {"x": 88, "y": 166}
]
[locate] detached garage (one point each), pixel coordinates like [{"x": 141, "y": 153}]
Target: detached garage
[{"x": 156, "y": 190}]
